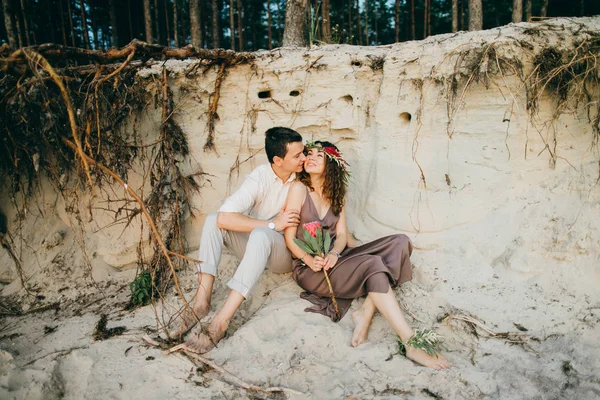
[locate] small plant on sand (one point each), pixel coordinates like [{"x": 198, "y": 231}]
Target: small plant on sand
[
  {"x": 424, "y": 339},
  {"x": 141, "y": 289}
]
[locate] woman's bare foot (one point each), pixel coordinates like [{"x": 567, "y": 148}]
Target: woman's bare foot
[
  {"x": 201, "y": 342},
  {"x": 188, "y": 320},
  {"x": 362, "y": 322},
  {"x": 419, "y": 356}
]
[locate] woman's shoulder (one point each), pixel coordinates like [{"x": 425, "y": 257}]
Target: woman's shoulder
[{"x": 298, "y": 188}]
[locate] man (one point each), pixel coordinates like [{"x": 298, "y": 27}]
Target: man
[{"x": 250, "y": 224}]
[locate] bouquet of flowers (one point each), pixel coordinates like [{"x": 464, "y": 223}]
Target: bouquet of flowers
[{"x": 316, "y": 243}]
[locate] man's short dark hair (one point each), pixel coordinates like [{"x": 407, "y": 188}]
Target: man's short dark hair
[{"x": 277, "y": 139}]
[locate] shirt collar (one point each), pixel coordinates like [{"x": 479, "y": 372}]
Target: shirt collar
[{"x": 275, "y": 178}]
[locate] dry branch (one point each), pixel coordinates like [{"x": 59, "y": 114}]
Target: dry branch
[
  {"x": 143, "y": 51},
  {"x": 198, "y": 358},
  {"x": 37, "y": 58},
  {"x": 238, "y": 381}
]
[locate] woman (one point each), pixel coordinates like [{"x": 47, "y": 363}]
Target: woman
[{"x": 371, "y": 269}]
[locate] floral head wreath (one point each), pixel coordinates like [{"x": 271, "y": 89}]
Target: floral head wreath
[{"x": 332, "y": 153}]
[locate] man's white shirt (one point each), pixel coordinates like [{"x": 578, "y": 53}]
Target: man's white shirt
[{"x": 262, "y": 195}]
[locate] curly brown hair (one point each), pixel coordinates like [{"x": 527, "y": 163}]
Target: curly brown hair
[{"x": 335, "y": 182}]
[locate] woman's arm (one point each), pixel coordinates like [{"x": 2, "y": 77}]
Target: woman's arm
[
  {"x": 341, "y": 240},
  {"x": 295, "y": 200}
]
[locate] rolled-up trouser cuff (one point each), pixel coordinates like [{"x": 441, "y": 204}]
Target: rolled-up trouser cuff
[
  {"x": 238, "y": 287},
  {"x": 207, "y": 269}
]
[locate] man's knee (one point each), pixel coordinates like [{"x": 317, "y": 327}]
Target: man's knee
[
  {"x": 260, "y": 236},
  {"x": 211, "y": 219}
]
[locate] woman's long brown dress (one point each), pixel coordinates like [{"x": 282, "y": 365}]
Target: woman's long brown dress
[{"x": 372, "y": 267}]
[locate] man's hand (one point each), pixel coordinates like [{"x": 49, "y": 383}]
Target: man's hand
[{"x": 285, "y": 219}]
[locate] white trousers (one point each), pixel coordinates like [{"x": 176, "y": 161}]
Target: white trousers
[{"x": 257, "y": 250}]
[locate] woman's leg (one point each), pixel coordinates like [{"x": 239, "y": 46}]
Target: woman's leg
[
  {"x": 362, "y": 321},
  {"x": 388, "y": 306}
]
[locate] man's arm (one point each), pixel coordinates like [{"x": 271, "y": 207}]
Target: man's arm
[
  {"x": 238, "y": 222},
  {"x": 232, "y": 214}
]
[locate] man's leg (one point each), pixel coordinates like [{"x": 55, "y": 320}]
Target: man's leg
[
  {"x": 264, "y": 247},
  {"x": 211, "y": 247}
]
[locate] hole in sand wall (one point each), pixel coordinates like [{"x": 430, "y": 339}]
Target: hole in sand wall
[
  {"x": 356, "y": 63},
  {"x": 405, "y": 118},
  {"x": 295, "y": 93},
  {"x": 265, "y": 94},
  {"x": 347, "y": 98}
]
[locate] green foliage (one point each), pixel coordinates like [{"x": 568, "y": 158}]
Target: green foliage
[
  {"x": 423, "y": 339},
  {"x": 141, "y": 289}
]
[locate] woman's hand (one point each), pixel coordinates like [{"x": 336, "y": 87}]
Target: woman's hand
[
  {"x": 330, "y": 261},
  {"x": 317, "y": 263}
]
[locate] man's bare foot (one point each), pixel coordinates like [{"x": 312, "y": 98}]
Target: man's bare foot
[
  {"x": 188, "y": 320},
  {"x": 201, "y": 342},
  {"x": 361, "y": 327},
  {"x": 421, "y": 357}
]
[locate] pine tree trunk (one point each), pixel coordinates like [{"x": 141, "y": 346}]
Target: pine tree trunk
[
  {"x": 413, "y": 31},
  {"x": 62, "y": 23},
  {"x": 156, "y": 21},
  {"x": 278, "y": 24},
  {"x": 113, "y": 22},
  {"x": 232, "y": 24},
  {"x": 269, "y": 32},
  {"x": 397, "y": 21},
  {"x": 167, "y": 25},
  {"x": 461, "y": 15},
  {"x": 195, "y": 28},
  {"x": 475, "y": 15},
  {"x": 454, "y": 15},
  {"x": 325, "y": 14},
  {"x": 148, "y": 20},
  {"x": 358, "y": 23},
  {"x": 294, "y": 30},
  {"x": 367, "y": 23},
  {"x": 376, "y": 26},
  {"x": 425, "y": 7},
  {"x": 71, "y": 23},
  {"x": 527, "y": 10},
  {"x": 517, "y": 12},
  {"x": 130, "y": 20},
  {"x": 84, "y": 26},
  {"x": 215, "y": 24},
  {"x": 8, "y": 24},
  {"x": 95, "y": 24},
  {"x": 544, "y": 9},
  {"x": 26, "y": 23},
  {"x": 581, "y": 7},
  {"x": 176, "y": 23},
  {"x": 350, "y": 21},
  {"x": 240, "y": 26}
]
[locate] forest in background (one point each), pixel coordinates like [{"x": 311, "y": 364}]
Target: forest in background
[{"x": 247, "y": 25}]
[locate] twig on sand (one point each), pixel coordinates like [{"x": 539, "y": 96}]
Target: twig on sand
[
  {"x": 247, "y": 386},
  {"x": 406, "y": 310},
  {"x": 197, "y": 358},
  {"x": 511, "y": 337}
]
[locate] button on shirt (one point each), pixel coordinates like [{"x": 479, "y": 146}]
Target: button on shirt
[{"x": 262, "y": 195}]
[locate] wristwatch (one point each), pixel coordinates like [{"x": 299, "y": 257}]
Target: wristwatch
[{"x": 271, "y": 224}]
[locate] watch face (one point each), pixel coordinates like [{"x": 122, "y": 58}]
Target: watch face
[{"x": 271, "y": 225}]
